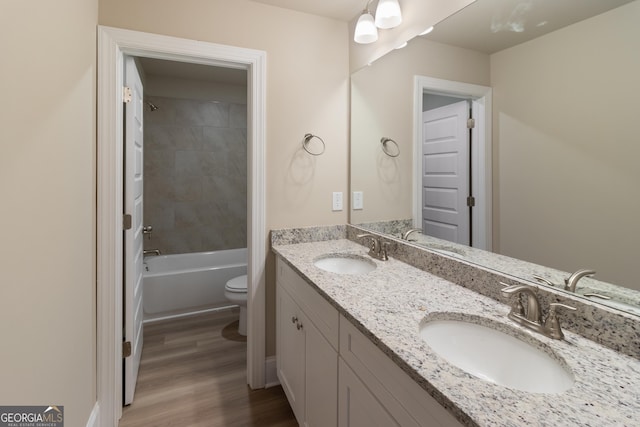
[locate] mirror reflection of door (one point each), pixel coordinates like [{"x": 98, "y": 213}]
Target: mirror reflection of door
[{"x": 446, "y": 170}]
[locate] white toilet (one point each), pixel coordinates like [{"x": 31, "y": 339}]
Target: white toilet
[{"x": 236, "y": 292}]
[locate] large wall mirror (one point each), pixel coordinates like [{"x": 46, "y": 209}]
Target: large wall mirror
[{"x": 559, "y": 172}]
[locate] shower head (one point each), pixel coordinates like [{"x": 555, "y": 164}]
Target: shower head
[{"x": 152, "y": 107}]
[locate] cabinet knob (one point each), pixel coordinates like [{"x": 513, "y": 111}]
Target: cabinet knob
[
  {"x": 294, "y": 319},
  {"x": 299, "y": 326}
]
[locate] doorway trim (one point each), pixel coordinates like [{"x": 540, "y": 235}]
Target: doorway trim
[
  {"x": 113, "y": 44},
  {"x": 481, "y": 176}
]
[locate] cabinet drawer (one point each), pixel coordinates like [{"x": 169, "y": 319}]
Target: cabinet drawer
[
  {"x": 405, "y": 400},
  {"x": 323, "y": 315}
]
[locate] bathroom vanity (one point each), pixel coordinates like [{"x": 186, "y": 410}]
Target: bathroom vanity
[
  {"x": 350, "y": 351},
  {"x": 328, "y": 369}
]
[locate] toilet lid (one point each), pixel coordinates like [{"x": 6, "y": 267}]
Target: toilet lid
[{"x": 237, "y": 284}]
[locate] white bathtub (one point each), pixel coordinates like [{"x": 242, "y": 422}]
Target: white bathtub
[{"x": 183, "y": 284}]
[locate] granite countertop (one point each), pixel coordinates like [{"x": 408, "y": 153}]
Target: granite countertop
[
  {"x": 389, "y": 304},
  {"x": 630, "y": 298}
]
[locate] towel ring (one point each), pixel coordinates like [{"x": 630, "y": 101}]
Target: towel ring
[
  {"x": 384, "y": 141},
  {"x": 305, "y": 144}
]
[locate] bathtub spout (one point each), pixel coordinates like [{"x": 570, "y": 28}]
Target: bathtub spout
[{"x": 151, "y": 252}]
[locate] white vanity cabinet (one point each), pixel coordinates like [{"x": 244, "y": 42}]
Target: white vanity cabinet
[
  {"x": 307, "y": 349},
  {"x": 333, "y": 375},
  {"x": 374, "y": 391},
  {"x": 357, "y": 406}
]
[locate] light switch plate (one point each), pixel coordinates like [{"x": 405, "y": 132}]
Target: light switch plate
[
  {"x": 358, "y": 202},
  {"x": 337, "y": 200}
]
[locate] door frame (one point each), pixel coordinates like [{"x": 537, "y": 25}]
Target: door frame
[
  {"x": 113, "y": 44},
  {"x": 481, "y": 176}
]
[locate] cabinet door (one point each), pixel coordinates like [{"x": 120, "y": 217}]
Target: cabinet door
[
  {"x": 321, "y": 380},
  {"x": 291, "y": 352},
  {"x": 357, "y": 407}
]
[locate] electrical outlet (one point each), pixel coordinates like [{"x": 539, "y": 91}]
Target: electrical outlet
[
  {"x": 337, "y": 200},
  {"x": 358, "y": 202}
]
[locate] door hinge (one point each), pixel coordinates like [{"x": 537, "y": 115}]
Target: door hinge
[
  {"x": 126, "y": 349},
  {"x": 471, "y": 201},
  {"x": 126, "y": 222},
  {"x": 126, "y": 94},
  {"x": 471, "y": 123}
]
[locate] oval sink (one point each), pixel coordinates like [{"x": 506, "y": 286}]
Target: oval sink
[
  {"x": 345, "y": 264},
  {"x": 496, "y": 357}
]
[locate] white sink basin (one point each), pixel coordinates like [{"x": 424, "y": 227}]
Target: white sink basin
[
  {"x": 345, "y": 263},
  {"x": 496, "y": 357}
]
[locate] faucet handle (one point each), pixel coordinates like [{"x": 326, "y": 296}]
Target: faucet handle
[
  {"x": 374, "y": 247},
  {"x": 384, "y": 256},
  {"x": 552, "y": 324},
  {"x": 514, "y": 289},
  {"x": 516, "y": 304},
  {"x": 544, "y": 280},
  {"x": 554, "y": 305},
  {"x": 369, "y": 236}
]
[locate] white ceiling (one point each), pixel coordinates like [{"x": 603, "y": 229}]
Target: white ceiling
[
  {"x": 342, "y": 10},
  {"x": 490, "y": 26},
  {"x": 486, "y": 26}
]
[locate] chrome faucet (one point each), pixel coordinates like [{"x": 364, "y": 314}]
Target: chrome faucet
[
  {"x": 406, "y": 234},
  {"x": 151, "y": 252},
  {"x": 532, "y": 317},
  {"x": 571, "y": 281},
  {"x": 377, "y": 249}
]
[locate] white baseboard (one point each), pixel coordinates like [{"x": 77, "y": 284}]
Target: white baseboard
[
  {"x": 271, "y": 372},
  {"x": 94, "y": 418}
]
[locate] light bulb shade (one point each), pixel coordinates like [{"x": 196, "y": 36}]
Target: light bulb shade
[
  {"x": 366, "y": 31},
  {"x": 426, "y": 31},
  {"x": 388, "y": 14}
]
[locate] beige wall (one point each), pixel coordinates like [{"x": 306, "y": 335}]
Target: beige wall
[
  {"x": 47, "y": 186},
  {"x": 307, "y": 92},
  {"x": 382, "y": 105},
  {"x": 307, "y": 89},
  {"x": 567, "y": 148}
]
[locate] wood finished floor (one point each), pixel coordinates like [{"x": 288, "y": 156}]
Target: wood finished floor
[{"x": 193, "y": 373}]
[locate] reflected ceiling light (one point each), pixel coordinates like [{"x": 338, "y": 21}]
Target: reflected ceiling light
[
  {"x": 388, "y": 14},
  {"x": 402, "y": 45},
  {"x": 427, "y": 31},
  {"x": 366, "y": 31}
]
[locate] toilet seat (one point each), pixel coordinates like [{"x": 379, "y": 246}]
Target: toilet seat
[
  {"x": 236, "y": 292},
  {"x": 237, "y": 285}
]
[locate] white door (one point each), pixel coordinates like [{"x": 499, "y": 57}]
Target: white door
[
  {"x": 445, "y": 173},
  {"x": 133, "y": 236}
]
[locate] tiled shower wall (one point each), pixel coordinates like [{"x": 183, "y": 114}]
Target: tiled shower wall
[{"x": 195, "y": 175}]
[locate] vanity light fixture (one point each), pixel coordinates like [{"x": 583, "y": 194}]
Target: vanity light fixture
[
  {"x": 427, "y": 31},
  {"x": 366, "y": 31},
  {"x": 388, "y": 14},
  {"x": 402, "y": 45}
]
